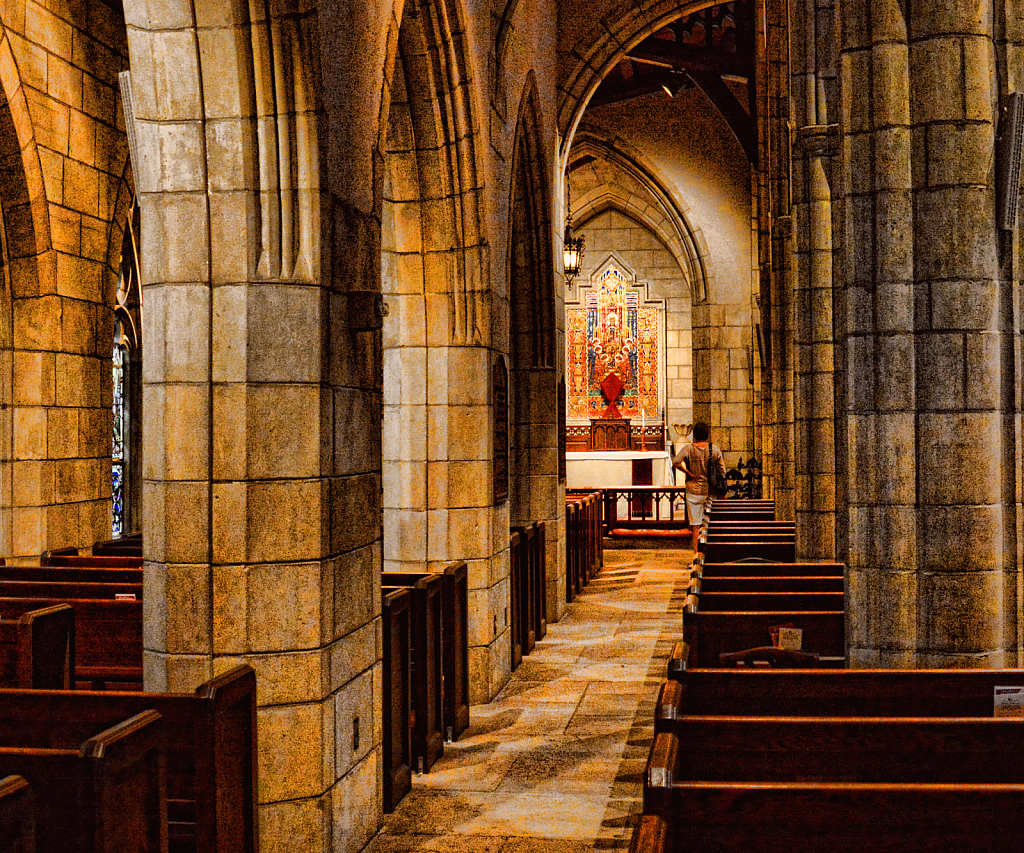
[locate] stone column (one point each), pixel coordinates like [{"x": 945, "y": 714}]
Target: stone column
[
  {"x": 815, "y": 402},
  {"x": 880, "y": 464},
  {"x": 958, "y": 345},
  {"x": 815, "y": 399},
  {"x": 262, "y": 421}
]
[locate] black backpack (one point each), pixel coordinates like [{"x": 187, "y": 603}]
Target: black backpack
[{"x": 717, "y": 486}]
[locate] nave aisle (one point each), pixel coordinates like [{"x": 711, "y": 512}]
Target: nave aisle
[{"x": 556, "y": 761}]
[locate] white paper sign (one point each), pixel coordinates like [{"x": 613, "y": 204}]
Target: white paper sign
[
  {"x": 791, "y": 639},
  {"x": 1009, "y": 701}
]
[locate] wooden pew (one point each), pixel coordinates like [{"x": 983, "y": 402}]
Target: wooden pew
[
  {"x": 17, "y": 816},
  {"x": 709, "y": 633},
  {"x": 769, "y": 583},
  {"x": 768, "y": 568},
  {"x": 717, "y": 602},
  {"x": 721, "y": 513},
  {"x": 456, "y": 643},
  {"x": 455, "y": 647},
  {"x": 426, "y": 591},
  {"x": 108, "y": 636},
  {"x": 37, "y": 650},
  {"x": 105, "y": 794},
  {"x": 725, "y": 551},
  {"x": 539, "y": 583},
  {"x": 67, "y": 589},
  {"x": 72, "y": 574},
  {"x": 397, "y": 741},
  {"x": 836, "y": 692},
  {"x": 834, "y": 817},
  {"x": 716, "y": 525},
  {"x": 111, "y": 562},
  {"x": 129, "y": 545},
  {"x": 211, "y": 766},
  {"x": 526, "y": 580},
  {"x": 917, "y": 750}
]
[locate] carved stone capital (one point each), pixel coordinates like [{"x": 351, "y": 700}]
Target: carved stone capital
[{"x": 819, "y": 139}]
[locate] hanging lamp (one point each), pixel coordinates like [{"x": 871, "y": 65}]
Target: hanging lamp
[{"x": 572, "y": 249}]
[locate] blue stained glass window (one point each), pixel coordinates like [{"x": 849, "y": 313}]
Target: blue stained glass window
[{"x": 120, "y": 432}]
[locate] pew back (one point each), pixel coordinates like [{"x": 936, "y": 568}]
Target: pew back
[
  {"x": 211, "y": 765},
  {"x": 38, "y": 649},
  {"x": 108, "y": 635},
  {"x": 836, "y": 817},
  {"x": 842, "y": 692},
  {"x": 105, "y": 795},
  {"x": 17, "y": 816},
  {"x": 765, "y": 568}
]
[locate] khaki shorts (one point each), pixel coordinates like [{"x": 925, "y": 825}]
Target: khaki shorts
[{"x": 695, "y": 508}]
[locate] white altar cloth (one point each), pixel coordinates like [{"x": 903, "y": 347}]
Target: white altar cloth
[{"x": 597, "y": 469}]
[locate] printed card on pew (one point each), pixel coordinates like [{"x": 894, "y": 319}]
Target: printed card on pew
[
  {"x": 794, "y": 637},
  {"x": 124, "y": 596},
  {"x": 1009, "y": 701},
  {"x": 791, "y": 639}
]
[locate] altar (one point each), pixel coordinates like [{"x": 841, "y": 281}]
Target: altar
[{"x": 615, "y": 468}]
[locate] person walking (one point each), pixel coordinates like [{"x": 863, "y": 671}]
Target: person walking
[{"x": 693, "y": 460}]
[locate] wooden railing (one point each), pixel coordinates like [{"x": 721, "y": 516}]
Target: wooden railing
[{"x": 645, "y": 507}]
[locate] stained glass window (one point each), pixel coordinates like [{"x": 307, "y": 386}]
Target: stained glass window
[{"x": 120, "y": 435}]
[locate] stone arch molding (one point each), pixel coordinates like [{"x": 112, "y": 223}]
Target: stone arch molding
[
  {"x": 530, "y": 197},
  {"x": 603, "y": 45},
  {"x": 620, "y": 181},
  {"x": 429, "y": 48},
  {"x": 241, "y": 129}
]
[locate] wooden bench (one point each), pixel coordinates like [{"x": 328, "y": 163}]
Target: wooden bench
[
  {"x": 725, "y": 551},
  {"x": 37, "y": 650},
  {"x": 916, "y": 750},
  {"x": 767, "y": 583},
  {"x": 528, "y": 584},
  {"x": 72, "y": 574},
  {"x": 717, "y": 525},
  {"x": 709, "y": 633},
  {"x": 17, "y": 816},
  {"x": 396, "y": 609},
  {"x": 721, "y": 513},
  {"x": 835, "y": 692},
  {"x": 129, "y": 545},
  {"x": 105, "y": 562},
  {"x": 67, "y": 589},
  {"x": 211, "y": 764},
  {"x": 717, "y": 602},
  {"x": 768, "y": 568},
  {"x": 103, "y": 794},
  {"x": 108, "y": 636},
  {"x": 834, "y": 817},
  {"x": 426, "y": 653}
]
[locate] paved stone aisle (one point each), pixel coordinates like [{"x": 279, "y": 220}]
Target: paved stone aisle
[{"x": 556, "y": 761}]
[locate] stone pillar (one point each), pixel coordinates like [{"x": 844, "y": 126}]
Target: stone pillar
[
  {"x": 923, "y": 337},
  {"x": 815, "y": 399},
  {"x": 959, "y": 340},
  {"x": 262, "y": 421},
  {"x": 878, "y": 335},
  {"x": 815, "y": 380}
]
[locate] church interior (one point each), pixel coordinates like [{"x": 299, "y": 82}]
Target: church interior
[{"x": 313, "y": 297}]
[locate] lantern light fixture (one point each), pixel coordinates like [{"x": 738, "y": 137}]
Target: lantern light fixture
[{"x": 572, "y": 248}]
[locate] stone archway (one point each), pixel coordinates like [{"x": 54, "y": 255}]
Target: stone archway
[
  {"x": 438, "y": 346},
  {"x": 536, "y": 490}
]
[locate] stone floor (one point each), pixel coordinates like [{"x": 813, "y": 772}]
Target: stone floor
[{"x": 556, "y": 761}]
